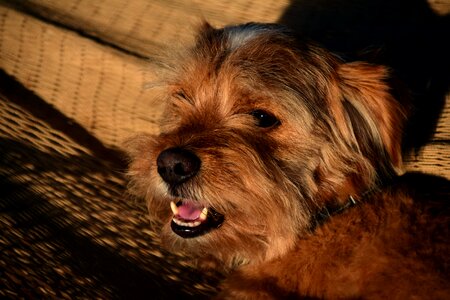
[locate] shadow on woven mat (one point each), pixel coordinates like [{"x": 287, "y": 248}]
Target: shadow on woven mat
[
  {"x": 61, "y": 243},
  {"x": 51, "y": 248},
  {"x": 68, "y": 230},
  {"x": 405, "y": 35},
  {"x": 40, "y": 109}
]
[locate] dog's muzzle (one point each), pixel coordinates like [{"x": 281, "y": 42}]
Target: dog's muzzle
[{"x": 190, "y": 219}]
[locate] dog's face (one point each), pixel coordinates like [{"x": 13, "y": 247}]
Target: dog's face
[{"x": 260, "y": 133}]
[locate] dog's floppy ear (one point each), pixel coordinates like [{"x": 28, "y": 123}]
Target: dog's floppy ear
[{"x": 374, "y": 118}]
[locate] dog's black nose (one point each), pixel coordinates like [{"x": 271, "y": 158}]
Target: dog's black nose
[{"x": 176, "y": 165}]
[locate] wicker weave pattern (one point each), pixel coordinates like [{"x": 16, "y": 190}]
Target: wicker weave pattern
[
  {"x": 434, "y": 158},
  {"x": 144, "y": 26},
  {"x": 98, "y": 87},
  {"x": 68, "y": 228}
]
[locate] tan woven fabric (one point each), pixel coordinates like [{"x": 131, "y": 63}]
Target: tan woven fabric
[
  {"x": 442, "y": 7},
  {"x": 68, "y": 229},
  {"x": 98, "y": 87},
  {"x": 434, "y": 158},
  {"x": 141, "y": 25}
]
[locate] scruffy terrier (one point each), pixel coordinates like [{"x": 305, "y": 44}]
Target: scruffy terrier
[{"x": 279, "y": 161}]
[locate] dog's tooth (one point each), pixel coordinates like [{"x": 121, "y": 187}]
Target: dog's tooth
[
  {"x": 174, "y": 208},
  {"x": 192, "y": 224},
  {"x": 186, "y": 224},
  {"x": 203, "y": 214}
]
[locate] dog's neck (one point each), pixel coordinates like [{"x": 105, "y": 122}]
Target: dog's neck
[
  {"x": 331, "y": 210},
  {"x": 337, "y": 208}
]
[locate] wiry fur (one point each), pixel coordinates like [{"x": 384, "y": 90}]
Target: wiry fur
[{"x": 339, "y": 136}]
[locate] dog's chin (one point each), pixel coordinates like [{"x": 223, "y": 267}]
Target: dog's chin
[{"x": 191, "y": 219}]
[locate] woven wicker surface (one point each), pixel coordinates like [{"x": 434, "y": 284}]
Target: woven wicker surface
[
  {"x": 142, "y": 26},
  {"x": 68, "y": 228},
  {"x": 69, "y": 231},
  {"x": 95, "y": 85},
  {"x": 434, "y": 158}
]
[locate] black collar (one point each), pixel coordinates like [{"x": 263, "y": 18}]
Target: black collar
[{"x": 334, "y": 209}]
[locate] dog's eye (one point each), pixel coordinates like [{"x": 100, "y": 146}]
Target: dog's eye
[
  {"x": 265, "y": 119},
  {"x": 180, "y": 94}
]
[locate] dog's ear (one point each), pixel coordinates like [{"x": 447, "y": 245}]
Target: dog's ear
[
  {"x": 373, "y": 118},
  {"x": 205, "y": 34},
  {"x": 204, "y": 28}
]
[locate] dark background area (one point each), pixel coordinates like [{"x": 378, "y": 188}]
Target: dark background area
[{"x": 405, "y": 35}]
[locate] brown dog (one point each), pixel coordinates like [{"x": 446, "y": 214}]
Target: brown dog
[{"x": 278, "y": 161}]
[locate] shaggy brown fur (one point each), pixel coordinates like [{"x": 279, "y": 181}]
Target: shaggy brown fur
[{"x": 294, "y": 154}]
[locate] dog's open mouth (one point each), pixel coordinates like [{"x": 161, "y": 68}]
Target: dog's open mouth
[{"x": 191, "y": 219}]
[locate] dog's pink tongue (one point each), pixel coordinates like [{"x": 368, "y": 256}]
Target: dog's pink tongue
[{"x": 189, "y": 210}]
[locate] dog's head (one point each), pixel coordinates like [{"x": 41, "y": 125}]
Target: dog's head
[{"x": 261, "y": 132}]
